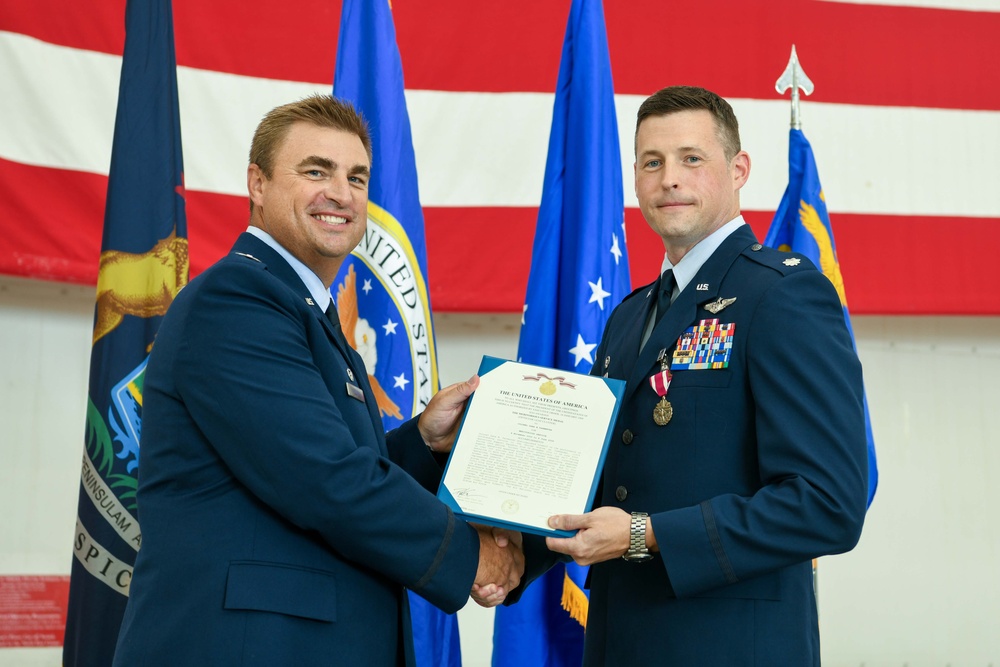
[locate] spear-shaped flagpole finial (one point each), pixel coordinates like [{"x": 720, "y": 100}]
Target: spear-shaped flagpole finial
[{"x": 795, "y": 78}]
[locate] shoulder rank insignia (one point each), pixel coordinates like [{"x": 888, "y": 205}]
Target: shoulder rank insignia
[
  {"x": 792, "y": 261},
  {"x": 715, "y": 307}
]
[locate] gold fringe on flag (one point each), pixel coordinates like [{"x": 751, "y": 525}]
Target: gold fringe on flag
[{"x": 575, "y": 601}]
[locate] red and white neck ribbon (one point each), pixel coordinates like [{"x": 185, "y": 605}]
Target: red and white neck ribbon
[{"x": 660, "y": 382}]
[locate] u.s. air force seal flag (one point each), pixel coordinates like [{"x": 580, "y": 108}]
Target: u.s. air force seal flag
[
  {"x": 143, "y": 264},
  {"x": 381, "y": 292}
]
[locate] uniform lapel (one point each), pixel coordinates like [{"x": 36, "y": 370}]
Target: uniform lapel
[
  {"x": 360, "y": 371},
  {"x": 622, "y": 341},
  {"x": 664, "y": 335},
  {"x": 684, "y": 309},
  {"x": 249, "y": 245},
  {"x": 634, "y": 327}
]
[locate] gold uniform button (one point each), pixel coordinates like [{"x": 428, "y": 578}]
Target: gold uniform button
[
  {"x": 621, "y": 493},
  {"x": 627, "y": 437}
]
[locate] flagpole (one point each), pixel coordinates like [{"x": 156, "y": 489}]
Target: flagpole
[{"x": 794, "y": 77}]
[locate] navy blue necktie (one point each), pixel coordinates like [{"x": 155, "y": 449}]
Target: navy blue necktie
[
  {"x": 664, "y": 292},
  {"x": 338, "y": 331},
  {"x": 333, "y": 317},
  {"x": 354, "y": 361}
]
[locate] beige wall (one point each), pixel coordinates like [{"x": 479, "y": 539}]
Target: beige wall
[{"x": 921, "y": 589}]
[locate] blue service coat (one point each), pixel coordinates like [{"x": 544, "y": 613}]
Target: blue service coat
[
  {"x": 280, "y": 525},
  {"x": 762, "y": 467}
]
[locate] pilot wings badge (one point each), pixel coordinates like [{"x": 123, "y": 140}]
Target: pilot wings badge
[{"x": 716, "y": 307}]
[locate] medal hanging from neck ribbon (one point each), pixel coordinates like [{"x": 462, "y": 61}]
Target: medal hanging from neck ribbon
[{"x": 660, "y": 382}]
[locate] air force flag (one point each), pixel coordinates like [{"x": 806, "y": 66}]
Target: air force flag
[{"x": 579, "y": 273}]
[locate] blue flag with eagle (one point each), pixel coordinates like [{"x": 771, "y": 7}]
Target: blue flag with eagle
[
  {"x": 381, "y": 290},
  {"x": 802, "y": 224},
  {"x": 579, "y": 273},
  {"x": 143, "y": 264}
]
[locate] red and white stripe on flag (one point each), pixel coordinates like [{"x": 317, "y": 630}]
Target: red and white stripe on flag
[{"x": 904, "y": 122}]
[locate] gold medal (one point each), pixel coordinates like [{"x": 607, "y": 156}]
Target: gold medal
[{"x": 663, "y": 412}]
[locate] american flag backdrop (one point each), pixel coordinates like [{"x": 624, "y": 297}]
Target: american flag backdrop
[{"x": 904, "y": 122}]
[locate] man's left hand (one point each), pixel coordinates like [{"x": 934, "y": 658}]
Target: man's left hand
[
  {"x": 602, "y": 535},
  {"x": 439, "y": 422}
]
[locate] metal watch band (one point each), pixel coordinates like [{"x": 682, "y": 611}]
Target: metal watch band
[{"x": 637, "y": 538}]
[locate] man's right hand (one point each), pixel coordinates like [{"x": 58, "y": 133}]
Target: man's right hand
[{"x": 501, "y": 565}]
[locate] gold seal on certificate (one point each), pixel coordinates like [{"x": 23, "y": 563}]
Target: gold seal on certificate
[
  {"x": 532, "y": 444},
  {"x": 663, "y": 412}
]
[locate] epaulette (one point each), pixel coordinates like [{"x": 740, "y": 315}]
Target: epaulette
[
  {"x": 247, "y": 260},
  {"x": 783, "y": 262}
]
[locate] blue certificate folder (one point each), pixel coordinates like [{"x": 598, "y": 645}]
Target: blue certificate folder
[{"x": 540, "y": 384}]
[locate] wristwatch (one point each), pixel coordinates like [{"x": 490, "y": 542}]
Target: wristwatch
[{"x": 637, "y": 551}]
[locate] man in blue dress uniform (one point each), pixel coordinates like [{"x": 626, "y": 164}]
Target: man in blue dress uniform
[{"x": 739, "y": 454}]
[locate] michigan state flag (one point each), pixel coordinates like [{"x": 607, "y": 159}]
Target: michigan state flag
[
  {"x": 802, "y": 224},
  {"x": 143, "y": 264},
  {"x": 381, "y": 290},
  {"x": 579, "y": 273}
]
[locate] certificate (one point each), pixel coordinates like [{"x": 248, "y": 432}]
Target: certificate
[{"x": 531, "y": 444}]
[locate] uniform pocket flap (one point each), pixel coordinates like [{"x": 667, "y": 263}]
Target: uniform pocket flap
[{"x": 283, "y": 589}]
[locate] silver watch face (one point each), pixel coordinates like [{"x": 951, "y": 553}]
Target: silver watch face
[{"x": 637, "y": 557}]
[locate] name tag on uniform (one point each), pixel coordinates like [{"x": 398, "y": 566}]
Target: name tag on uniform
[{"x": 354, "y": 391}]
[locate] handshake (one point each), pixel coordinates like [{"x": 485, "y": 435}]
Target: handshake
[{"x": 501, "y": 565}]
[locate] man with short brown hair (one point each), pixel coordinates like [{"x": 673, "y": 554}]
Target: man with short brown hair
[
  {"x": 739, "y": 453},
  {"x": 281, "y": 525}
]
